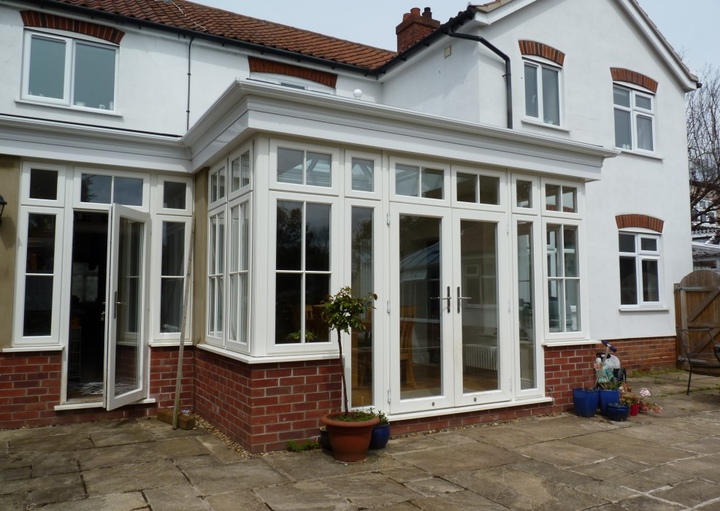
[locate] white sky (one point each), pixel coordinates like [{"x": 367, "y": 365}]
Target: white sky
[{"x": 691, "y": 26}]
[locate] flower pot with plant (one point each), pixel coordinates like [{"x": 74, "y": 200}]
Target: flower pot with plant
[
  {"x": 349, "y": 431},
  {"x": 637, "y": 402},
  {"x": 381, "y": 432}
]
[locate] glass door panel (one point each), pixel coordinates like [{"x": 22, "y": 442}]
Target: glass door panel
[
  {"x": 478, "y": 306},
  {"x": 126, "y": 348}
]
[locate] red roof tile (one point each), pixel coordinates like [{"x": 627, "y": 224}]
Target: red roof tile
[{"x": 186, "y": 15}]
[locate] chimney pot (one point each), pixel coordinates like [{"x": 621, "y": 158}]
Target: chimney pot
[{"x": 414, "y": 27}]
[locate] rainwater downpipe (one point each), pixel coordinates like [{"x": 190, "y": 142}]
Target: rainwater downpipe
[
  {"x": 508, "y": 69},
  {"x": 189, "y": 76}
]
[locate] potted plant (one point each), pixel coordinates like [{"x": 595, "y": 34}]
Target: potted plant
[
  {"x": 609, "y": 393},
  {"x": 637, "y": 401},
  {"x": 381, "y": 432},
  {"x": 585, "y": 401},
  {"x": 349, "y": 431}
]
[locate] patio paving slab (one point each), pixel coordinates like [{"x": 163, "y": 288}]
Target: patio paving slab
[{"x": 560, "y": 463}]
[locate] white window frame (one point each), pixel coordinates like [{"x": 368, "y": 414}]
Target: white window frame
[
  {"x": 478, "y": 173},
  {"x": 539, "y": 91},
  {"x": 336, "y": 257},
  {"x": 422, "y": 166},
  {"x": 376, "y": 192},
  {"x": 564, "y": 219},
  {"x": 223, "y": 205},
  {"x": 640, "y": 256},
  {"x": 105, "y": 206},
  {"x": 635, "y": 112},
  {"x": 69, "y": 79},
  {"x": 335, "y": 178}
]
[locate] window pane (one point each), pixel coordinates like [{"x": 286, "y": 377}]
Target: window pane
[
  {"x": 648, "y": 244},
  {"x": 552, "y": 197},
  {"x": 43, "y": 184},
  {"x": 174, "y": 195},
  {"x": 289, "y": 235},
  {"x": 645, "y": 132},
  {"x": 466, "y": 187},
  {"x": 317, "y": 288},
  {"x": 628, "y": 281},
  {"x": 318, "y": 169},
  {"x": 531, "y": 95},
  {"x": 432, "y": 183},
  {"x": 128, "y": 191},
  {"x": 41, "y": 244},
  {"x": 627, "y": 243},
  {"x": 317, "y": 237},
  {"x": 551, "y": 96},
  {"x": 171, "y": 299},
  {"x": 407, "y": 179},
  {"x": 362, "y": 283},
  {"x": 245, "y": 169},
  {"x": 572, "y": 300},
  {"x": 221, "y": 243},
  {"x": 570, "y": 251},
  {"x": 47, "y": 68},
  {"x": 37, "y": 319},
  {"x": 568, "y": 197},
  {"x": 94, "y": 76},
  {"x": 221, "y": 183},
  {"x": 173, "y": 249},
  {"x": 555, "y": 301},
  {"x": 213, "y": 186},
  {"x": 363, "y": 172},
  {"x": 523, "y": 192},
  {"x": 235, "y": 175},
  {"x": 489, "y": 190},
  {"x": 290, "y": 316},
  {"x": 623, "y": 137},
  {"x": 526, "y": 296},
  {"x": 651, "y": 289},
  {"x": 643, "y": 102},
  {"x": 621, "y": 97},
  {"x": 553, "y": 251},
  {"x": 96, "y": 189},
  {"x": 290, "y": 166}
]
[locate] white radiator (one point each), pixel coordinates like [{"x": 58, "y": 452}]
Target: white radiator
[{"x": 480, "y": 356}]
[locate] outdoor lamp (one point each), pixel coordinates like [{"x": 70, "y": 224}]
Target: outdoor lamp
[{"x": 3, "y": 203}]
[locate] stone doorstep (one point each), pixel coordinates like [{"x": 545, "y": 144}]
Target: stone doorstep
[{"x": 184, "y": 421}]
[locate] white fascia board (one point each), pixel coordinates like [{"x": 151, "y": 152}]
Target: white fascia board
[
  {"x": 38, "y": 139},
  {"x": 488, "y": 18},
  {"x": 684, "y": 76},
  {"x": 247, "y": 108}
]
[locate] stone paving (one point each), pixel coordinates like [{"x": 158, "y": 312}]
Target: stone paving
[{"x": 660, "y": 462}]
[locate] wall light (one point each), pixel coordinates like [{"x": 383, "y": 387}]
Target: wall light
[{"x": 3, "y": 203}]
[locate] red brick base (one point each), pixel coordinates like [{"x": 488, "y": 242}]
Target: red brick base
[{"x": 263, "y": 406}]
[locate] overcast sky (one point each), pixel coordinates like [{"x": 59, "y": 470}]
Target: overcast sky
[{"x": 691, "y": 26}]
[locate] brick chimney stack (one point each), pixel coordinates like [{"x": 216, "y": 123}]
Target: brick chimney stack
[{"x": 414, "y": 27}]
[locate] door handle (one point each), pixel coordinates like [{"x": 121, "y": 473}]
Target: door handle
[
  {"x": 461, "y": 298},
  {"x": 448, "y": 298}
]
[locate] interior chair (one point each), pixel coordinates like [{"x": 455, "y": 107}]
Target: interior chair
[
  {"x": 407, "y": 322},
  {"x": 699, "y": 350}
]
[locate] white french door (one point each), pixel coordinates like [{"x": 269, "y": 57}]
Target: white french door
[
  {"x": 126, "y": 375},
  {"x": 446, "y": 310}
]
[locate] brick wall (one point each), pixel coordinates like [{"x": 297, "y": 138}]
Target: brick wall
[
  {"x": 30, "y": 389},
  {"x": 263, "y": 406}
]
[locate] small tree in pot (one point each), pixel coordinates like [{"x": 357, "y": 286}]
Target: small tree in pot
[{"x": 349, "y": 431}]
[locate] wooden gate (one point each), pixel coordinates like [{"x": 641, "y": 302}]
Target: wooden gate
[{"x": 697, "y": 304}]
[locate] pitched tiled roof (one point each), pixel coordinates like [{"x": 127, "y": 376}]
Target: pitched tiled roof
[{"x": 184, "y": 15}]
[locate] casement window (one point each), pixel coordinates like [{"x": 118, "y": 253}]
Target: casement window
[
  {"x": 639, "y": 268},
  {"x": 542, "y": 92},
  {"x": 229, "y": 234},
  {"x": 419, "y": 181},
  {"x": 563, "y": 262},
  {"x": 634, "y": 119},
  {"x": 75, "y": 72}
]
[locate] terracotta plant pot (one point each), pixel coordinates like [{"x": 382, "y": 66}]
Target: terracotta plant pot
[{"x": 349, "y": 439}]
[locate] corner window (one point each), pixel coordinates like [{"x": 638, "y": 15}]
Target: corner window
[
  {"x": 71, "y": 72},
  {"x": 229, "y": 235},
  {"x": 634, "y": 119},
  {"x": 542, "y": 93},
  {"x": 639, "y": 268}
]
